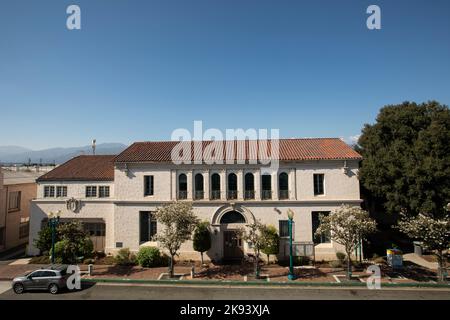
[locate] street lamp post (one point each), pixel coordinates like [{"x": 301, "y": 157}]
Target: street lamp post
[
  {"x": 53, "y": 221},
  {"x": 291, "y": 275}
]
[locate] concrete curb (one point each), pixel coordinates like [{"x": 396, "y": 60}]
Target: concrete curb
[{"x": 262, "y": 284}]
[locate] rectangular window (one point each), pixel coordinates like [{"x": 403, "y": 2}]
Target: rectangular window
[
  {"x": 49, "y": 191},
  {"x": 148, "y": 185},
  {"x": 148, "y": 226},
  {"x": 284, "y": 228},
  {"x": 103, "y": 192},
  {"x": 24, "y": 229},
  {"x": 94, "y": 229},
  {"x": 61, "y": 191},
  {"x": 91, "y": 191},
  {"x": 318, "y": 184},
  {"x": 14, "y": 201},
  {"x": 322, "y": 238}
]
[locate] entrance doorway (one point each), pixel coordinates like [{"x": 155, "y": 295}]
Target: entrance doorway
[{"x": 233, "y": 248}]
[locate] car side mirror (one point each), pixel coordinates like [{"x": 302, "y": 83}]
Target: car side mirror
[{"x": 30, "y": 277}]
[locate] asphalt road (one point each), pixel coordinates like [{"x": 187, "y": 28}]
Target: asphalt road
[{"x": 153, "y": 292}]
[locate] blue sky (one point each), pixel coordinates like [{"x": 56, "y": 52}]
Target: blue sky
[{"x": 137, "y": 70}]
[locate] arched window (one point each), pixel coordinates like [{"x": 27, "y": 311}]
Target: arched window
[
  {"x": 249, "y": 186},
  {"x": 199, "y": 186},
  {"x": 232, "y": 186},
  {"x": 232, "y": 217},
  {"x": 182, "y": 186},
  {"x": 215, "y": 186},
  {"x": 283, "y": 186},
  {"x": 266, "y": 186}
]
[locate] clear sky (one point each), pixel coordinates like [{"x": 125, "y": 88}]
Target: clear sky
[{"x": 137, "y": 70}]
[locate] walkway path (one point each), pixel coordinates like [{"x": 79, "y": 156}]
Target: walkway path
[{"x": 414, "y": 258}]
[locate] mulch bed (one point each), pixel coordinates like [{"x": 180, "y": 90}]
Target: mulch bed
[{"x": 411, "y": 273}]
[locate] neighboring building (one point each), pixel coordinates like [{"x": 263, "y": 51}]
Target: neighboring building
[
  {"x": 116, "y": 196},
  {"x": 17, "y": 189}
]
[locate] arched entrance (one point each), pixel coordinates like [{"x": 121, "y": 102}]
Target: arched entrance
[
  {"x": 230, "y": 219},
  {"x": 231, "y": 224}
]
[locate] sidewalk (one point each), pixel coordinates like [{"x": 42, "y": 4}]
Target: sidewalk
[{"x": 414, "y": 258}]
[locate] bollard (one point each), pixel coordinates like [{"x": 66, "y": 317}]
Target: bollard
[
  {"x": 192, "y": 272},
  {"x": 90, "y": 267}
]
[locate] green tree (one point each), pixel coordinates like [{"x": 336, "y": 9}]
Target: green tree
[
  {"x": 271, "y": 243},
  {"x": 347, "y": 226},
  {"x": 179, "y": 222},
  {"x": 407, "y": 158},
  {"x": 73, "y": 244},
  {"x": 202, "y": 238},
  {"x": 44, "y": 240}
]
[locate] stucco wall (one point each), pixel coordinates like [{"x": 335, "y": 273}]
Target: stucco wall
[
  {"x": 40, "y": 209},
  {"x": 337, "y": 184},
  {"x": 11, "y": 219},
  {"x": 127, "y": 217},
  {"x": 76, "y": 189},
  {"x": 121, "y": 210}
]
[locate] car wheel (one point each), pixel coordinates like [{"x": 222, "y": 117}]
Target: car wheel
[
  {"x": 18, "y": 288},
  {"x": 53, "y": 288}
]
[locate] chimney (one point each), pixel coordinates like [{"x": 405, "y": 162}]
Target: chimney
[{"x": 93, "y": 147}]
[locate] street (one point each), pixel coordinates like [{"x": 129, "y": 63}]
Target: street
[{"x": 184, "y": 292}]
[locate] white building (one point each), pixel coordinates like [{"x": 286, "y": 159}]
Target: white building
[{"x": 114, "y": 196}]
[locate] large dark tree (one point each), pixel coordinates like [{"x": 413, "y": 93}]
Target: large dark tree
[{"x": 407, "y": 158}]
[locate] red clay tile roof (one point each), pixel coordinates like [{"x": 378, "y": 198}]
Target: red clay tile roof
[
  {"x": 83, "y": 168},
  {"x": 289, "y": 150}
]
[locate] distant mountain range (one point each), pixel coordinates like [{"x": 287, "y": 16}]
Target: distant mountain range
[{"x": 16, "y": 154}]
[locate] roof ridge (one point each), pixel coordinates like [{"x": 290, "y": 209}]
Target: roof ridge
[{"x": 164, "y": 141}]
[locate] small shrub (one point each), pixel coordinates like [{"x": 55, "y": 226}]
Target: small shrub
[
  {"x": 150, "y": 257},
  {"x": 340, "y": 256},
  {"x": 40, "y": 260},
  {"x": 99, "y": 254},
  {"x": 108, "y": 260},
  {"x": 125, "y": 257},
  {"x": 88, "y": 261},
  {"x": 298, "y": 261},
  {"x": 336, "y": 264},
  {"x": 61, "y": 254},
  {"x": 302, "y": 261}
]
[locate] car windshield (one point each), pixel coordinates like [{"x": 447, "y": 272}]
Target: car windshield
[{"x": 28, "y": 273}]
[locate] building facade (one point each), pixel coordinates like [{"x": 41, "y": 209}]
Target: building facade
[
  {"x": 17, "y": 189},
  {"x": 115, "y": 196}
]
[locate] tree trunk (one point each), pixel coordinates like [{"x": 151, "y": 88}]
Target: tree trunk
[
  {"x": 201, "y": 253},
  {"x": 171, "y": 267},
  {"x": 441, "y": 266},
  {"x": 256, "y": 267},
  {"x": 349, "y": 266}
]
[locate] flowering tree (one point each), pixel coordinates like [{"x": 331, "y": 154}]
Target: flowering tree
[
  {"x": 256, "y": 235},
  {"x": 434, "y": 234},
  {"x": 179, "y": 222},
  {"x": 347, "y": 226}
]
